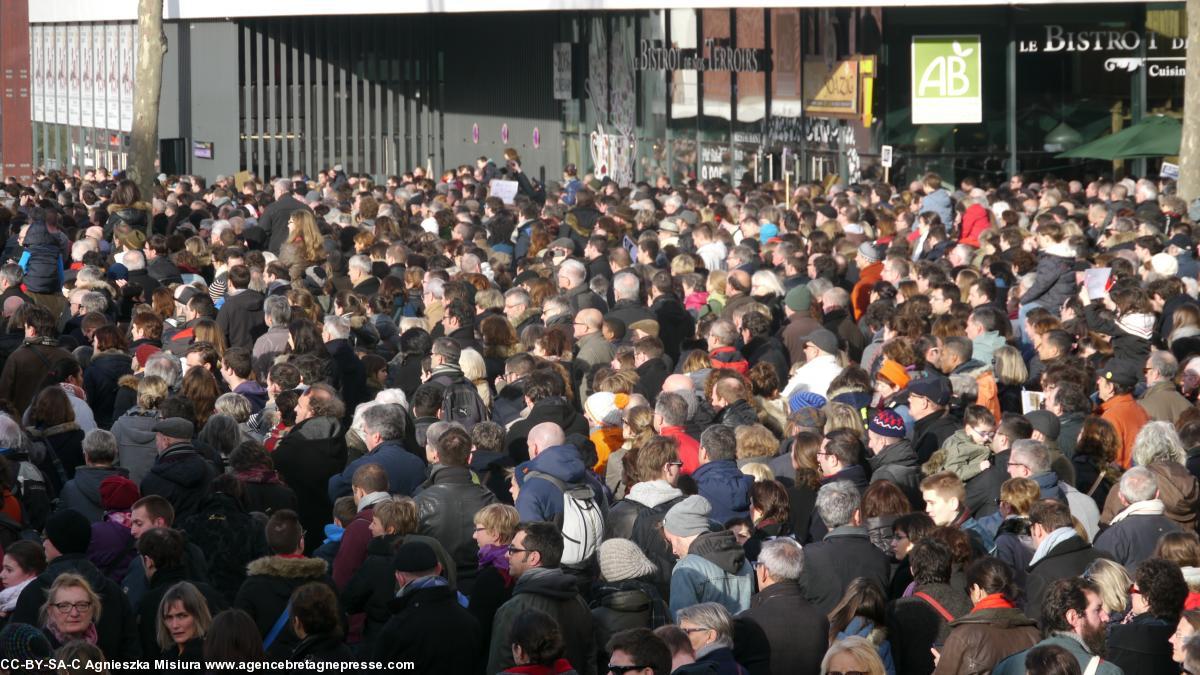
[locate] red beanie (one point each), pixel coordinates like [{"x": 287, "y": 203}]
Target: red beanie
[{"x": 118, "y": 493}]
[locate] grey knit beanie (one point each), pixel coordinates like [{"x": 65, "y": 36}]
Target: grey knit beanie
[
  {"x": 689, "y": 517},
  {"x": 621, "y": 559}
]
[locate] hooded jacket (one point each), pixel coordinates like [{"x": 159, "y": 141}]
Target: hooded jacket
[
  {"x": 404, "y": 470},
  {"x": 42, "y": 261},
  {"x": 1178, "y": 490},
  {"x": 181, "y": 476},
  {"x": 136, "y": 448},
  {"x": 100, "y": 382},
  {"x": 724, "y": 485},
  {"x": 962, "y": 455},
  {"x": 542, "y": 500},
  {"x": 82, "y": 493},
  {"x": 1055, "y": 279},
  {"x": 555, "y": 593},
  {"x": 714, "y": 570},
  {"x": 313, "y": 450},
  {"x": 974, "y": 222},
  {"x": 269, "y": 584},
  {"x": 898, "y": 463}
]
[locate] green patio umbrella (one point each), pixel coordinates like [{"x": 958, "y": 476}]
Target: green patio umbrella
[{"x": 1155, "y": 136}]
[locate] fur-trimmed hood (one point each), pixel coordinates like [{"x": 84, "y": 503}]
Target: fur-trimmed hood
[{"x": 289, "y": 568}]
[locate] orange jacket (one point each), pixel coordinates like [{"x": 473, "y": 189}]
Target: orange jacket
[
  {"x": 1128, "y": 417},
  {"x": 988, "y": 394},
  {"x": 607, "y": 441},
  {"x": 860, "y": 296}
]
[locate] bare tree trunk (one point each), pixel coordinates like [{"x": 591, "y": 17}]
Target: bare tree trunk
[
  {"x": 1189, "y": 148},
  {"x": 152, "y": 44}
]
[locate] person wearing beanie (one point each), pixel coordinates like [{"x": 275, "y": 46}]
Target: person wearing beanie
[
  {"x": 112, "y": 546},
  {"x": 870, "y": 270},
  {"x": 67, "y": 537},
  {"x": 892, "y": 457},
  {"x": 712, "y": 565},
  {"x": 625, "y": 597},
  {"x": 82, "y": 493},
  {"x": 21, "y": 642},
  {"x": 427, "y": 625},
  {"x": 603, "y": 411},
  {"x": 798, "y": 308}
]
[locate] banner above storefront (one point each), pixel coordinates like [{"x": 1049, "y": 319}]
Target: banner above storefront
[
  {"x": 947, "y": 79},
  {"x": 716, "y": 56}
]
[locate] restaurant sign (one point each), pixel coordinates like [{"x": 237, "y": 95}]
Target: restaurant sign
[
  {"x": 717, "y": 55},
  {"x": 1164, "y": 56}
]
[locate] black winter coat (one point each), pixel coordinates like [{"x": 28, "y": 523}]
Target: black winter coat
[
  {"x": 181, "y": 476},
  {"x": 897, "y": 463},
  {"x": 241, "y": 319},
  {"x": 1142, "y": 646},
  {"x": 931, "y": 432},
  {"x": 914, "y": 626},
  {"x": 621, "y": 605},
  {"x": 269, "y": 584},
  {"x": 313, "y": 450},
  {"x": 100, "y": 382},
  {"x": 322, "y": 648},
  {"x": 349, "y": 375},
  {"x": 446, "y": 508},
  {"x": 147, "y": 609},
  {"x": 267, "y": 498},
  {"x": 493, "y": 588},
  {"x": 117, "y": 627},
  {"x": 770, "y": 351},
  {"x": 275, "y": 220},
  {"x": 552, "y": 409},
  {"x": 1068, "y": 559},
  {"x": 831, "y": 564},
  {"x": 651, "y": 376},
  {"x": 781, "y": 633},
  {"x": 675, "y": 324},
  {"x": 230, "y": 538},
  {"x": 373, "y": 585},
  {"x": 429, "y": 627}
]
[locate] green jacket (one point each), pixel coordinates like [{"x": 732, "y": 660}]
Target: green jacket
[{"x": 1015, "y": 664}]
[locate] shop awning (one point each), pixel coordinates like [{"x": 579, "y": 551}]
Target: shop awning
[{"x": 1155, "y": 136}]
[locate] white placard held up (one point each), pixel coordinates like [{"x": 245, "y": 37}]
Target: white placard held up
[
  {"x": 1096, "y": 281},
  {"x": 1168, "y": 170},
  {"x": 885, "y": 156},
  {"x": 506, "y": 190}
]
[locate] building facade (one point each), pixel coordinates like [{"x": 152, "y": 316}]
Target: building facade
[{"x": 780, "y": 92}]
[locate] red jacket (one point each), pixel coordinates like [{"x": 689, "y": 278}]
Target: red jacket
[
  {"x": 689, "y": 448},
  {"x": 860, "y": 297},
  {"x": 728, "y": 357},
  {"x": 975, "y": 221},
  {"x": 352, "y": 552}
]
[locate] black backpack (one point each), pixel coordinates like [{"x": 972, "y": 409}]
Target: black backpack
[{"x": 461, "y": 403}]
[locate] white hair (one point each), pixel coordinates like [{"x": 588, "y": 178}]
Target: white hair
[
  {"x": 626, "y": 286},
  {"x": 1139, "y": 485},
  {"x": 574, "y": 270},
  {"x": 361, "y": 263},
  {"x": 1157, "y": 442},
  {"x": 769, "y": 281}
]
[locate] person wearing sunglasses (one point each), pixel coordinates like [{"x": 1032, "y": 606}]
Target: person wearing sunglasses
[
  {"x": 638, "y": 651},
  {"x": 709, "y": 628},
  {"x": 852, "y": 656},
  {"x": 1142, "y": 644}
]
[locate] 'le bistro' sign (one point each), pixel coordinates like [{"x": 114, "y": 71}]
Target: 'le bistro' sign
[{"x": 1164, "y": 55}]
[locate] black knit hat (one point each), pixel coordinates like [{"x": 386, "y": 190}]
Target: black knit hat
[
  {"x": 415, "y": 556},
  {"x": 69, "y": 531}
]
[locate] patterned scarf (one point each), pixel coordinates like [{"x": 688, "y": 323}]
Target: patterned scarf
[{"x": 260, "y": 475}]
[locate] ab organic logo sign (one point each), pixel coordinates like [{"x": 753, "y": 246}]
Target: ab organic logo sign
[{"x": 947, "y": 74}]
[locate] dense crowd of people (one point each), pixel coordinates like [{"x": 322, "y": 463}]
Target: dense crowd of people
[{"x": 702, "y": 428}]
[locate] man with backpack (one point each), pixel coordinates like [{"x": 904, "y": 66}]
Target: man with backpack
[
  {"x": 460, "y": 399},
  {"x": 638, "y": 517},
  {"x": 557, "y": 487}
]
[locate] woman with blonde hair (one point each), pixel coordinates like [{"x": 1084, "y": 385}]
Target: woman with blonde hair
[
  {"x": 1011, "y": 374},
  {"x": 637, "y": 429},
  {"x": 304, "y": 246},
  {"x": 495, "y": 527},
  {"x": 71, "y": 611},
  {"x": 207, "y": 330},
  {"x": 755, "y": 443},
  {"x": 475, "y": 370},
  {"x": 1114, "y": 584},
  {"x": 843, "y": 416}
]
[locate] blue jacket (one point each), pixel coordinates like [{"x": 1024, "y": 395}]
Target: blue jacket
[
  {"x": 724, "y": 485},
  {"x": 938, "y": 202},
  {"x": 43, "y": 258},
  {"x": 405, "y": 471},
  {"x": 541, "y": 500}
]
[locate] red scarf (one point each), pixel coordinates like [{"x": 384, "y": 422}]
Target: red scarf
[{"x": 993, "y": 601}]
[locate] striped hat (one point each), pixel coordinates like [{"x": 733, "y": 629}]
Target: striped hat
[{"x": 886, "y": 422}]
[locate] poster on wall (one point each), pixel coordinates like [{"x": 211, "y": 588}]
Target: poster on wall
[
  {"x": 37, "y": 99},
  {"x": 112, "y": 79},
  {"x": 835, "y": 92},
  {"x": 73, "y": 75},
  {"x": 60, "y": 78},
  {"x": 947, "y": 79},
  {"x": 562, "y": 71},
  {"x": 86, "y": 82},
  {"x": 127, "y": 51},
  {"x": 98, "y": 66}
]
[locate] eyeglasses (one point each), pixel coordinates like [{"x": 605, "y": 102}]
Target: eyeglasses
[
  {"x": 481, "y": 529},
  {"x": 675, "y": 463},
  {"x": 986, "y": 435},
  {"x": 621, "y": 670},
  {"x": 1018, "y": 464},
  {"x": 695, "y": 630},
  {"x": 513, "y": 550},
  {"x": 66, "y": 607}
]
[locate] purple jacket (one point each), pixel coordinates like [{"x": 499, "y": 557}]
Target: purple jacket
[{"x": 112, "y": 547}]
